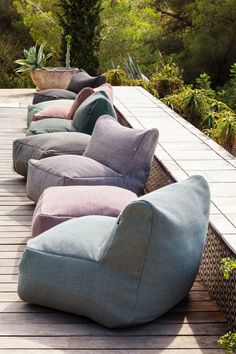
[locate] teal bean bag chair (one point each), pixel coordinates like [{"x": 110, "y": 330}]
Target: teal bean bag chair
[{"x": 121, "y": 271}]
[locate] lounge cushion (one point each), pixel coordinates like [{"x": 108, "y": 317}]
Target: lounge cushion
[
  {"x": 51, "y": 125},
  {"x": 52, "y": 95},
  {"x": 58, "y": 204},
  {"x": 52, "y": 112},
  {"x": 45, "y": 145},
  {"x": 90, "y": 110},
  {"x": 68, "y": 170},
  {"x": 35, "y": 108},
  {"x": 125, "y": 271},
  {"x": 83, "y": 79}
]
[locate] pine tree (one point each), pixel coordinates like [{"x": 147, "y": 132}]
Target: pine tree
[{"x": 81, "y": 20}]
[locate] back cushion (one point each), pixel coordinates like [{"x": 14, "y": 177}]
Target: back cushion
[
  {"x": 107, "y": 88},
  {"x": 116, "y": 146},
  {"x": 35, "y": 108},
  {"x": 80, "y": 98},
  {"x": 83, "y": 79},
  {"x": 52, "y": 112},
  {"x": 90, "y": 110},
  {"x": 52, "y": 95}
]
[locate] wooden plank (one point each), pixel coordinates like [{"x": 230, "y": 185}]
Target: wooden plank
[
  {"x": 117, "y": 351},
  {"x": 111, "y": 342},
  {"x": 92, "y": 329}
]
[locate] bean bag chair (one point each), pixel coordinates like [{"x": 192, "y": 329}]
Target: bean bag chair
[
  {"x": 116, "y": 155},
  {"x": 44, "y": 145},
  {"x": 121, "y": 271}
]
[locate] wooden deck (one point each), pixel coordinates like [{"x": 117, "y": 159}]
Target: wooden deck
[{"x": 191, "y": 327}]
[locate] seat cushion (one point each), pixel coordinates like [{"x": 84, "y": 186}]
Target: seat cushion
[
  {"x": 68, "y": 170},
  {"x": 35, "y": 108},
  {"x": 51, "y": 125},
  {"x": 83, "y": 79},
  {"x": 52, "y": 95},
  {"x": 58, "y": 204},
  {"x": 90, "y": 110},
  {"x": 45, "y": 145}
]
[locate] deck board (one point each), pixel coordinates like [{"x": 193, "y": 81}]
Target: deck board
[{"x": 192, "y": 327}]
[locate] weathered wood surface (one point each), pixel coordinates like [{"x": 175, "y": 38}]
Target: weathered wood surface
[{"x": 192, "y": 327}]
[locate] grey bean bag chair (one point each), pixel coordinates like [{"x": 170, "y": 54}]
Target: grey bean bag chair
[
  {"x": 45, "y": 145},
  {"x": 121, "y": 271},
  {"x": 115, "y": 155}
]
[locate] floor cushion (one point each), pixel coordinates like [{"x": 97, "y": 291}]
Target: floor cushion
[
  {"x": 52, "y": 95},
  {"x": 83, "y": 79},
  {"x": 52, "y": 112},
  {"x": 50, "y": 125},
  {"x": 45, "y": 145},
  {"x": 106, "y": 88},
  {"x": 58, "y": 204},
  {"x": 35, "y": 108},
  {"x": 80, "y": 98}
]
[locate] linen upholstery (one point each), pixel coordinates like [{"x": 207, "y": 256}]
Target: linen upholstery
[
  {"x": 44, "y": 145},
  {"x": 126, "y": 162},
  {"x": 51, "y": 125},
  {"x": 125, "y": 271},
  {"x": 53, "y": 95},
  {"x": 35, "y": 108},
  {"x": 58, "y": 204},
  {"x": 90, "y": 110},
  {"x": 52, "y": 112},
  {"x": 83, "y": 79}
]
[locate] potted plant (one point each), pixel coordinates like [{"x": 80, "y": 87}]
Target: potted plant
[{"x": 44, "y": 77}]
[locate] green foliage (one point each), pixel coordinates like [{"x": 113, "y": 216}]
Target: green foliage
[
  {"x": 210, "y": 42},
  {"x": 133, "y": 70},
  {"x": 35, "y": 58},
  {"x": 215, "y": 118},
  {"x": 129, "y": 28},
  {"x": 119, "y": 77},
  {"x": 228, "y": 343},
  {"x": 41, "y": 19},
  {"x": 227, "y": 265},
  {"x": 13, "y": 35},
  {"x": 204, "y": 81},
  {"x": 228, "y": 92},
  {"x": 168, "y": 79},
  {"x": 81, "y": 20}
]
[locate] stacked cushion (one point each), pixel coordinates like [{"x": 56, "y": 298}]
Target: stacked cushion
[
  {"x": 58, "y": 204},
  {"x": 116, "y": 155},
  {"x": 84, "y": 118},
  {"x": 42, "y": 145}
]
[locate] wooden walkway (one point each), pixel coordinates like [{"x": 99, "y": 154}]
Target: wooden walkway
[{"x": 192, "y": 327}]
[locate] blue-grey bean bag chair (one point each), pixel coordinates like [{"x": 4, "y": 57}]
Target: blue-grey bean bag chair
[{"x": 121, "y": 271}]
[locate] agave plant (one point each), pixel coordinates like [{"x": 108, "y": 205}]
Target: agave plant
[
  {"x": 34, "y": 59},
  {"x": 133, "y": 70}
]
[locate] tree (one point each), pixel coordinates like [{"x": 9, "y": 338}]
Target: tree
[
  {"x": 129, "y": 28},
  {"x": 81, "y": 20},
  {"x": 41, "y": 17},
  {"x": 13, "y": 36}
]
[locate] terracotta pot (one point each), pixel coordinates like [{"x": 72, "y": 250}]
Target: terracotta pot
[{"x": 52, "y": 77}]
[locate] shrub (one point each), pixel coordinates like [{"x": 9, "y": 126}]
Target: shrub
[{"x": 167, "y": 80}]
